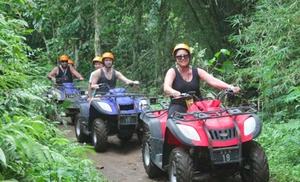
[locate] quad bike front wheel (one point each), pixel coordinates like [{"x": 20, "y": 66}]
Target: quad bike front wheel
[
  {"x": 139, "y": 133},
  {"x": 151, "y": 169},
  {"x": 180, "y": 166},
  {"x": 255, "y": 164},
  {"x": 99, "y": 135},
  {"x": 80, "y": 135}
]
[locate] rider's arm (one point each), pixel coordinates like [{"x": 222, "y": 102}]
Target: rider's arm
[
  {"x": 95, "y": 78},
  {"x": 124, "y": 79},
  {"x": 215, "y": 82},
  {"x": 76, "y": 73},
  {"x": 168, "y": 82},
  {"x": 90, "y": 85},
  {"x": 53, "y": 73}
]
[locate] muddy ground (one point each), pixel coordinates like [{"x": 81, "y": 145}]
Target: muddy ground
[{"x": 122, "y": 162}]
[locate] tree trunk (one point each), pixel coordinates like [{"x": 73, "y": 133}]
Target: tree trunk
[{"x": 97, "y": 26}]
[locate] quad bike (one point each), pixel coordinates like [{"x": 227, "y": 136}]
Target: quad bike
[
  {"x": 208, "y": 140},
  {"x": 110, "y": 112},
  {"x": 65, "y": 94}
]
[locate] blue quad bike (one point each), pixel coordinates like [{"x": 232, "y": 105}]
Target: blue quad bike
[
  {"x": 65, "y": 94},
  {"x": 110, "y": 112}
]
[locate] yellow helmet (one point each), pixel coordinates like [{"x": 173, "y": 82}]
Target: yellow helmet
[
  {"x": 97, "y": 58},
  {"x": 181, "y": 46},
  {"x": 70, "y": 62},
  {"x": 108, "y": 55},
  {"x": 64, "y": 58}
]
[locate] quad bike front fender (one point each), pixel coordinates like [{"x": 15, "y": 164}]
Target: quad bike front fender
[
  {"x": 153, "y": 129},
  {"x": 153, "y": 124},
  {"x": 84, "y": 107}
]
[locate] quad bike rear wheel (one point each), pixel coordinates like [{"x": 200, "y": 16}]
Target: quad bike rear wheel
[
  {"x": 80, "y": 135},
  {"x": 151, "y": 169},
  {"x": 255, "y": 163},
  {"x": 99, "y": 135},
  {"x": 180, "y": 166}
]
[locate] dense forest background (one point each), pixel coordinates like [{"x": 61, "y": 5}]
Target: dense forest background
[{"x": 250, "y": 43}]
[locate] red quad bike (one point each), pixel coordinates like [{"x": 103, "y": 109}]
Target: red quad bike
[{"x": 208, "y": 140}]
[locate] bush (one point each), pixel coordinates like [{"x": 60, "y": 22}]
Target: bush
[{"x": 281, "y": 143}]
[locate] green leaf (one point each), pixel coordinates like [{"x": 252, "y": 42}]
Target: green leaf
[{"x": 2, "y": 157}]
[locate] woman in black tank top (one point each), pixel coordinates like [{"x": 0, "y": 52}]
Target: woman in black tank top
[{"x": 184, "y": 78}]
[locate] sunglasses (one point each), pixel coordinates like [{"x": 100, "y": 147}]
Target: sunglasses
[
  {"x": 64, "y": 61},
  {"x": 183, "y": 56}
]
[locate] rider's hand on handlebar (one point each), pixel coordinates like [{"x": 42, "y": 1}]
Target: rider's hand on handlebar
[
  {"x": 176, "y": 94},
  {"x": 136, "y": 82},
  {"x": 81, "y": 78},
  {"x": 95, "y": 86},
  {"x": 235, "y": 89},
  {"x": 54, "y": 80},
  {"x": 133, "y": 83}
]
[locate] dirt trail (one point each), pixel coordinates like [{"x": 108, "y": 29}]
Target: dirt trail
[{"x": 122, "y": 162}]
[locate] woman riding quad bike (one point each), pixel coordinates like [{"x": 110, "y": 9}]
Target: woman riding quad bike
[{"x": 207, "y": 140}]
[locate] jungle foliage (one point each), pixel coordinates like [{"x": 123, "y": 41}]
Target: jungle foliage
[
  {"x": 31, "y": 148},
  {"x": 268, "y": 56},
  {"x": 251, "y": 43}
]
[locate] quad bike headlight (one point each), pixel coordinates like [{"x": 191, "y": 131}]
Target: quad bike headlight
[
  {"x": 249, "y": 126},
  {"x": 105, "y": 106},
  {"x": 54, "y": 94},
  {"x": 189, "y": 132},
  {"x": 143, "y": 103}
]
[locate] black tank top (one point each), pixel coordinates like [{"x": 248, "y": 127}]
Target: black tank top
[
  {"x": 112, "y": 82},
  {"x": 66, "y": 75},
  {"x": 184, "y": 87}
]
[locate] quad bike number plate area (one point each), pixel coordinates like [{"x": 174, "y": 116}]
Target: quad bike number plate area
[
  {"x": 128, "y": 120},
  {"x": 225, "y": 156}
]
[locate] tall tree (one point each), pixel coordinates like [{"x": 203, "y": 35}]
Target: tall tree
[{"x": 97, "y": 27}]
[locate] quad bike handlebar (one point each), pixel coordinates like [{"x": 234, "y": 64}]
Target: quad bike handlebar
[
  {"x": 131, "y": 84},
  {"x": 60, "y": 81},
  {"x": 184, "y": 95},
  {"x": 192, "y": 94},
  {"x": 202, "y": 114},
  {"x": 191, "y": 97},
  {"x": 222, "y": 93},
  {"x": 104, "y": 88}
]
